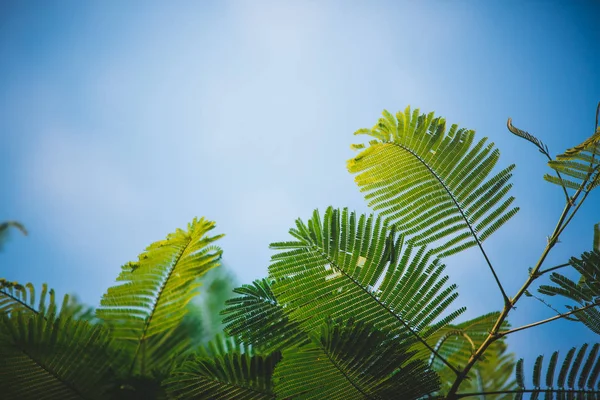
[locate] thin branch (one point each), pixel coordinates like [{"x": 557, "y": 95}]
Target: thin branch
[
  {"x": 576, "y": 310},
  {"x": 492, "y": 337},
  {"x": 540, "y": 273},
  {"x": 549, "y": 306}
]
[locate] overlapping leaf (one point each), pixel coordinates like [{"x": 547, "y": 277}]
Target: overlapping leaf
[
  {"x": 15, "y": 297},
  {"x": 577, "y": 376},
  {"x": 585, "y": 292},
  {"x": 580, "y": 164},
  {"x": 259, "y": 319},
  {"x": 228, "y": 370},
  {"x": 435, "y": 186},
  {"x": 492, "y": 374},
  {"x": 352, "y": 361},
  {"x": 50, "y": 357},
  {"x": 152, "y": 298},
  {"x": 456, "y": 344},
  {"x": 345, "y": 266}
]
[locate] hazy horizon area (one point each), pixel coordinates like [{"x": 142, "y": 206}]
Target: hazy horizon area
[{"x": 122, "y": 121}]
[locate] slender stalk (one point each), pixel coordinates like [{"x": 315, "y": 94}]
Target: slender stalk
[
  {"x": 493, "y": 335},
  {"x": 550, "y": 306},
  {"x": 545, "y": 271},
  {"x": 547, "y": 320}
]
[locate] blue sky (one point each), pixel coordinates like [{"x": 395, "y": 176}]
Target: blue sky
[{"x": 121, "y": 121}]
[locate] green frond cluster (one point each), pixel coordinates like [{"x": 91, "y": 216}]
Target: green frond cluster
[
  {"x": 577, "y": 376},
  {"x": 456, "y": 343},
  {"x": 352, "y": 361},
  {"x": 43, "y": 355},
  {"x": 230, "y": 374},
  {"x": 434, "y": 185},
  {"x": 259, "y": 319},
  {"x": 155, "y": 290},
  {"x": 581, "y": 164},
  {"x": 344, "y": 266},
  {"x": 585, "y": 292},
  {"x": 15, "y": 297}
]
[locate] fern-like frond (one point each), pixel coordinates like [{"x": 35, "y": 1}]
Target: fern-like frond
[
  {"x": 585, "y": 292},
  {"x": 529, "y": 137},
  {"x": 456, "y": 344},
  {"x": 226, "y": 370},
  {"x": 153, "y": 294},
  {"x": 257, "y": 317},
  {"x": 345, "y": 266},
  {"x": 352, "y": 361},
  {"x": 48, "y": 357},
  {"x": 581, "y": 164},
  {"x": 15, "y": 297},
  {"x": 492, "y": 374},
  {"x": 576, "y": 377},
  {"x": 434, "y": 185}
]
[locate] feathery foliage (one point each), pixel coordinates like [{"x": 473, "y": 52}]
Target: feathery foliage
[
  {"x": 580, "y": 163},
  {"x": 15, "y": 297},
  {"x": 354, "y": 307},
  {"x": 585, "y": 292},
  {"x": 257, "y": 318},
  {"x": 345, "y": 266},
  {"x": 45, "y": 355},
  {"x": 352, "y": 361},
  {"x": 576, "y": 376},
  {"x": 155, "y": 291},
  {"x": 457, "y": 343},
  {"x": 433, "y": 184},
  {"x": 228, "y": 370}
]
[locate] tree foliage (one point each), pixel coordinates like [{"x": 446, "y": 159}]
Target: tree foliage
[{"x": 354, "y": 306}]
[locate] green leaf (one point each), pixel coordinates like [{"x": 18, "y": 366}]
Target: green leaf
[
  {"x": 575, "y": 376},
  {"x": 340, "y": 267},
  {"x": 581, "y": 164},
  {"x": 435, "y": 185},
  {"x": 529, "y": 137},
  {"x": 585, "y": 291},
  {"x": 259, "y": 319},
  {"x": 456, "y": 344},
  {"x": 352, "y": 361},
  {"x": 15, "y": 297},
  {"x": 44, "y": 356},
  {"x": 226, "y": 371},
  {"x": 154, "y": 292}
]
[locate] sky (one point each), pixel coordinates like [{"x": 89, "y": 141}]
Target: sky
[{"x": 122, "y": 121}]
